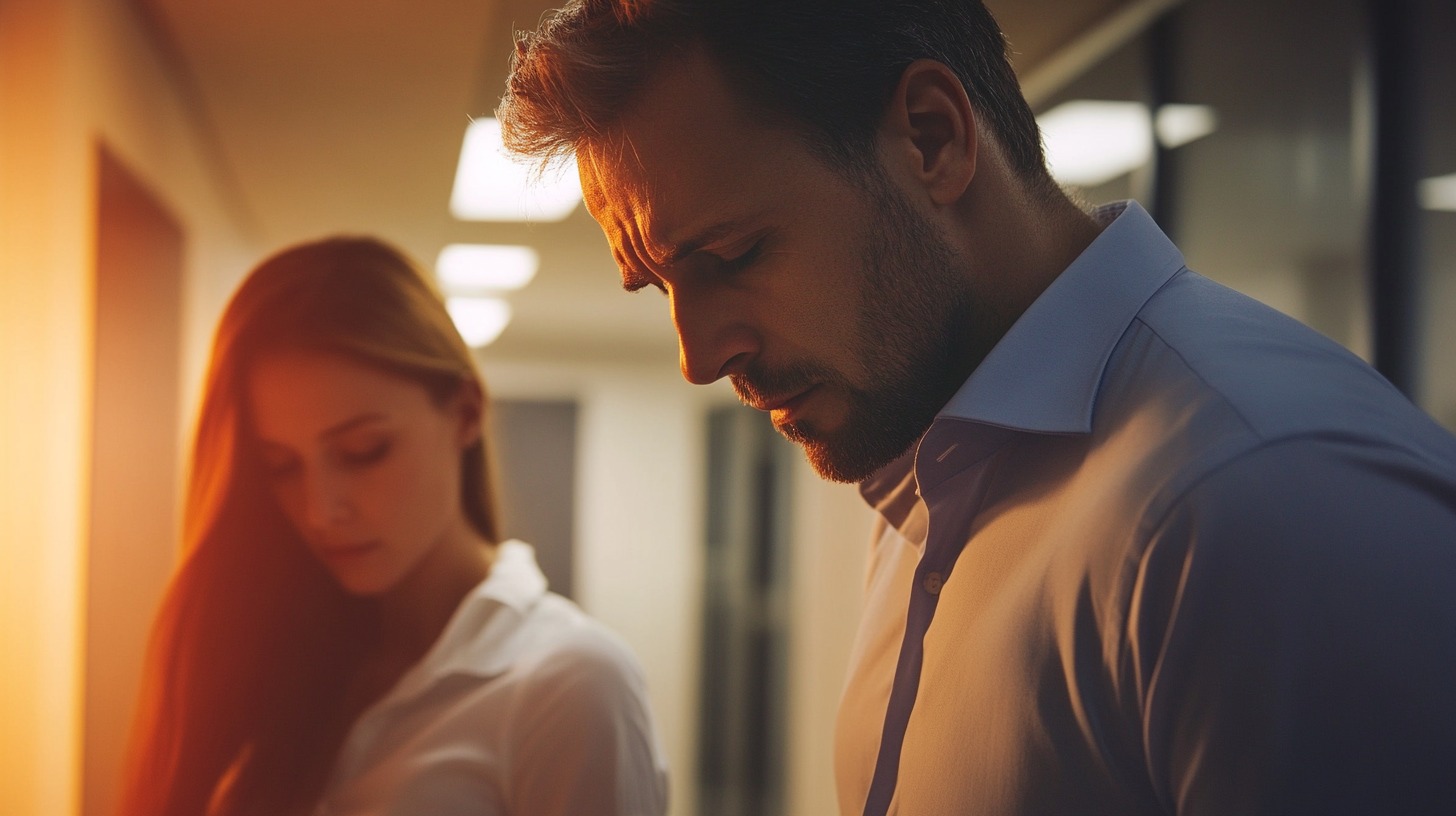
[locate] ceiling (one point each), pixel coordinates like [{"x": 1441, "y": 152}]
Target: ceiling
[{"x": 347, "y": 116}]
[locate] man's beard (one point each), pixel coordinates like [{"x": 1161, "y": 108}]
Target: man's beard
[{"x": 912, "y": 336}]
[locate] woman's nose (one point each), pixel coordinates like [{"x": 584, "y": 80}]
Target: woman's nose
[{"x": 326, "y": 500}]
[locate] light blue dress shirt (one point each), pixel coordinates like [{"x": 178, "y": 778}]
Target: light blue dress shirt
[{"x": 1166, "y": 551}]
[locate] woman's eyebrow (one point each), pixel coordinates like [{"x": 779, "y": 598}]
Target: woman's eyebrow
[{"x": 353, "y": 422}]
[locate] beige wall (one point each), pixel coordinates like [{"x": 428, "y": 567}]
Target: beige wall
[
  {"x": 831, "y": 539},
  {"x": 72, "y": 73}
]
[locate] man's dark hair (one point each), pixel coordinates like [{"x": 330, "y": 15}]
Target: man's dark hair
[{"x": 828, "y": 65}]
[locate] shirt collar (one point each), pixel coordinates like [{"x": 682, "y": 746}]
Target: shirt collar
[
  {"x": 893, "y": 492},
  {"x": 1044, "y": 374},
  {"x": 476, "y": 641}
]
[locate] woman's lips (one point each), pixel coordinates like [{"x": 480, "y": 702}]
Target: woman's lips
[{"x": 347, "y": 552}]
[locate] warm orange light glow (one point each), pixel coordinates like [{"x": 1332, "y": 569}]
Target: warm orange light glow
[{"x": 44, "y": 413}]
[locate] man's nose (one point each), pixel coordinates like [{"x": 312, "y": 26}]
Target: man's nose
[{"x": 713, "y": 340}]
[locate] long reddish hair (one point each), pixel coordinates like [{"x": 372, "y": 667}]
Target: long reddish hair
[{"x": 239, "y": 709}]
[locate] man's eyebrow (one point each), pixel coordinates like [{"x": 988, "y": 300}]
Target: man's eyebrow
[
  {"x": 633, "y": 280},
  {"x": 634, "y": 276},
  {"x": 630, "y": 258},
  {"x": 676, "y": 252}
]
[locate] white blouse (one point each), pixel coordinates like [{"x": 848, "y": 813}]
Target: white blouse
[{"x": 524, "y": 707}]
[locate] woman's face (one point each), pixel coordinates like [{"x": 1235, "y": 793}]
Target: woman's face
[{"x": 365, "y": 463}]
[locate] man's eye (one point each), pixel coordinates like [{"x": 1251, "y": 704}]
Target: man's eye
[{"x": 745, "y": 260}]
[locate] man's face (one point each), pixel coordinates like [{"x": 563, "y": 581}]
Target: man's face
[{"x": 833, "y": 305}]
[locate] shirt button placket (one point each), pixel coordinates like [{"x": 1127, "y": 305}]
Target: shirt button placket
[{"x": 933, "y": 582}]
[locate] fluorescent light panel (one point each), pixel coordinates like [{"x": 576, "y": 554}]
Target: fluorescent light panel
[
  {"x": 1177, "y": 125},
  {"x": 491, "y": 186},
  {"x": 473, "y": 268},
  {"x": 479, "y": 320},
  {"x": 1439, "y": 193},
  {"x": 1091, "y": 142}
]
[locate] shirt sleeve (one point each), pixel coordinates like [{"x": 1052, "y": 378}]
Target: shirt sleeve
[
  {"x": 1293, "y": 636},
  {"x": 583, "y": 741}
]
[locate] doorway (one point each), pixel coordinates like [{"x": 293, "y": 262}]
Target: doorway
[{"x": 134, "y": 472}]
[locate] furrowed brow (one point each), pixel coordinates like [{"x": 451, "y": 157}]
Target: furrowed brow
[
  {"x": 634, "y": 269},
  {"x": 695, "y": 243},
  {"x": 633, "y": 280},
  {"x": 634, "y": 273}
]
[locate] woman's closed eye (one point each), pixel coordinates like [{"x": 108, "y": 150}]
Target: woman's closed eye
[{"x": 364, "y": 455}]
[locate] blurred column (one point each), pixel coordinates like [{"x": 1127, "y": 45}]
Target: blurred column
[
  {"x": 1163, "y": 89},
  {"x": 1395, "y": 217}
]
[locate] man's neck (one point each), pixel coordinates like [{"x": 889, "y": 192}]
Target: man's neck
[{"x": 1019, "y": 240}]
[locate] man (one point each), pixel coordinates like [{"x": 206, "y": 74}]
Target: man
[{"x": 1145, "y": 545}]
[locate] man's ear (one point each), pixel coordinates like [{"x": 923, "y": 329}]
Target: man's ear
[
  {"x": 929, "y": 130},
  {"x": 468, "y": 406}
]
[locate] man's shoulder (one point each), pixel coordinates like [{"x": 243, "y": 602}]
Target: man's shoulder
[
  {"x": 1274, "y": 375},
  {"x": 1207, "y": 380}
]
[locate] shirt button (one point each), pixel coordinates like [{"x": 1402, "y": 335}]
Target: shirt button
[{"x": 933, "y": 583}]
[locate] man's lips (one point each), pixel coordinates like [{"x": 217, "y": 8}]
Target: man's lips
[{"x": 786, "y": 404}]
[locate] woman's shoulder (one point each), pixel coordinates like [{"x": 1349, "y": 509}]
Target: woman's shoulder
[
  {"x": 580, "y": 730},
  {"x": 559, "y": 638},
  {"x": 512, "y": 626},
  {"x": 541, "y": 630}
]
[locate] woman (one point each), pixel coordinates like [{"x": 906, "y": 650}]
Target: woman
[{"x": 347, "y": 633}]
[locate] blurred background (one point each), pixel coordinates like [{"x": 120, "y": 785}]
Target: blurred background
[{"x": 152, "y": 150}]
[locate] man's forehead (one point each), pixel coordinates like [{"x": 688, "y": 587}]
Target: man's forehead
[
  {"x": 686, "y": 163},
  {"x": 608, "y": 177},
  {"x": 653, "y": 204},
  {"x": 617, "y": 192},
  {"x": 678, "y": 133}
]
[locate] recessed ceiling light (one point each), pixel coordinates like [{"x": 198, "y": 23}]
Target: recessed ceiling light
[
  {"x": 1177, "y": 125},
  {"x": 474, "y": 268},
  {"x": 491, "y": 186},
  {"x": 479, "y": 320},
  {"x": 1091, "y": 142},
  {"x": 1439, "y": 193}
]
